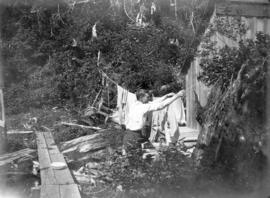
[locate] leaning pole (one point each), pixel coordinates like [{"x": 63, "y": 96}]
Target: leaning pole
[{"x": 2, "y": 107}]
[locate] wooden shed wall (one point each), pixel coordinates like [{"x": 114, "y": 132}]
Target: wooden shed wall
[
  {"x": 192, "y": 84},
  {"x": 255, "y": 25}
]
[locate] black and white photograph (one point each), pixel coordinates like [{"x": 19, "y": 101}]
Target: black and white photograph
[{"x": 134, "y": 98}]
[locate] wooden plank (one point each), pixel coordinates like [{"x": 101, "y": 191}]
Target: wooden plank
[
  {"x": 2, "y": 109},
  {"x": 56, "y": 183},
  {"x": 57, "y": 157},
  {"x": 49, "y": 139},
  {"x": 83, "y": 126},
  {"x": 69, "y": 191},
  {"x": 80, "y": 140},
  {"x": 53, "y": 150},
  {"x": 189, "y": 134},
  {"x": 243, "y": 9},
  {"x": 60, "y": 191},
  {"x": 41, "y": 143},
  {"x": 188, "y": 95},
  {"x": 268, "y": 26},
  {"x": 21, "y": 155},
  {"x": 51, "y": 146},
  {"x": 44, "y": 158},
  {"x": 18, "y": 132},
  {"x": 193, "y": 81},
  {"x": 47, "y": 176},
  {"x": 46, "y": 172},
  {"x": 63, "y": 176},
  {"x": 50, "y": 191},
  {"x": 250, "y": 1},
  {"x": 187, "y": 130}
]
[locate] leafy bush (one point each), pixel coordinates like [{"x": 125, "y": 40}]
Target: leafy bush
[
  {"x": 234, "y": 123},
  {"x": 39, "y": 58},
  {"x": 222, "y": 65}
]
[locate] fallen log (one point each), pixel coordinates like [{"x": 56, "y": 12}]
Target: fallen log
[
  {"x": 91, "y": 148},
  {"x": 84, "y": 148},
  {"x": 18, "y": 156},
  {"x": 84, "y": 144}
]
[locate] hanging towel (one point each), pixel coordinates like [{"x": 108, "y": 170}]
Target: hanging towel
[
  {"x": 123, "y": 103},
  {"x": 167, "y": 120},
  {"x": 158, "y": 124},
  {"x": 124, "y": 100},
  {"x": 177, "y": 107},
  {"x": 130, "y": 99},
  {"x": 117, "y": 114}
]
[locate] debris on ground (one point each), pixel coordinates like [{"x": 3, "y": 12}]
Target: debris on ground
[
  {"x": 79, "y": 125},
  {"x": 18, "y": 158}
]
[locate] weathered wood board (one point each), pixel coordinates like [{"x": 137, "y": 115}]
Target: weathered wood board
[
  {"x": 21, "y": 155},
  {"x": 55, "y": 183},
  {"x": 2, "y": 110}
]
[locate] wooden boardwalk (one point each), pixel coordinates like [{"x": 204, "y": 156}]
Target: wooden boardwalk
[{"x": 55, "y": 183}]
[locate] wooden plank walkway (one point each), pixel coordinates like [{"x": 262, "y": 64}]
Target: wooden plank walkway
[{"x": 55, "y": 183}]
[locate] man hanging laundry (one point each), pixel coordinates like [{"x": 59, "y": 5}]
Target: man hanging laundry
[{"x": 137, "y": 115}]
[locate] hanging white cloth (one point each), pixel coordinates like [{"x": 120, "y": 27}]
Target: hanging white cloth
[
  {"x": 139, "y": 19},
  {"x": 153, "y": 8},
  {"x": 124, "y": 100},
  {"x": 74, "y": 43},
  {"x": 94, "y": 31},
  {"x": 167, "y": 120}
]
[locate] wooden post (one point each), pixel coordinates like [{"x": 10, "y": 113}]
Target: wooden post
[
  {"x": 175, "y": 9},
  {"x": 2, "y": 110},
  {"x": 2, "y": 116}
]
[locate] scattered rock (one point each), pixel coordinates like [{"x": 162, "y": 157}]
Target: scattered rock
[
  {"x": 119, "y": 188},
  {"x": 93, "y": 165}
]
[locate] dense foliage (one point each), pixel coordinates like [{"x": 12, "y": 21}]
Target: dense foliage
[
  {"x": 234, "y": 121},
  {"x": 50, "y": 56}
]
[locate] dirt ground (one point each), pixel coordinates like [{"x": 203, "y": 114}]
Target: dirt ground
[{"x": 109, "y": 174}]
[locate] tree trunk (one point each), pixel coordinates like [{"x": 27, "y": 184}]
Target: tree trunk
[{"x": 219, "y": 111}]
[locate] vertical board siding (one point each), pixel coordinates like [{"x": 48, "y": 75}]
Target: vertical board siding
[
  {"x": 268, "y": 26},
  {"x": 192, "y": 84},
  {"x": 256, "y": 25}
]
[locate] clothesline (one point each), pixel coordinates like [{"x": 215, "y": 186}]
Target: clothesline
[
  {"x": 104, "y": 74},
  {"x": 193, "y": 87},
  {"x": 108, "y": 78}
]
